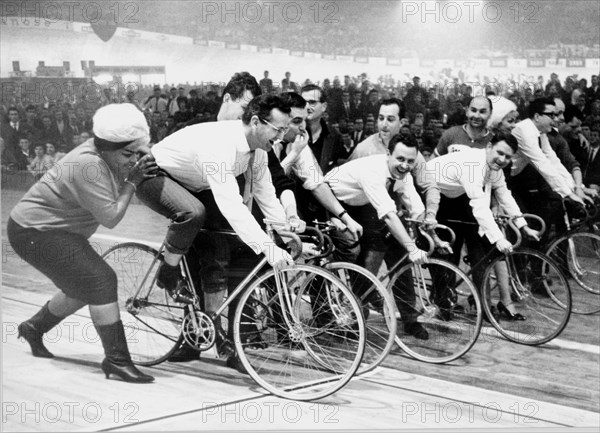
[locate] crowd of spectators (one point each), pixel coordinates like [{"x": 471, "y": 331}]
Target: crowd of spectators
[
  {"x": 377, "y": 28},
  {"x": 35, "y": 135}
]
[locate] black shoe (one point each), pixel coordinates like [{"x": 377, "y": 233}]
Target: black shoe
[
  {"x": 416, "y": 330},
  {"x": 507, "y": 313},
  {"x": 169, "y": 278},
  {"x": 539, "y": 289},
  {"x": 33, "y": 330},
  {"x": 494, "y": 313},
  {"x": 118, "y": 360},
  {"x": 446, "y": 306},
  {"x": 235, "y": 363},
  {"x": 185, "y": 353},
  {"x": 225, "y": 347}
]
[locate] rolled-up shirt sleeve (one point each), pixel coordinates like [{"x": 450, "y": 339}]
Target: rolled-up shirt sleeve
[
  {"x": 506, "y": 200},
  {"x": 307, "y": 170},
  {"x": 426, "y": 185},
  {"x": 529, "y": 151},
  {"x": 480, "y": 203}
]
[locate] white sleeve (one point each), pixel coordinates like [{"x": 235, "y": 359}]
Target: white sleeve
[
  {"x": 408, "y": 196},
  {"x": 225, "y": 189},
  {"x": 480, "y": 203},
  {"x": 506, "y": 200},
  {"x": 307, "y": 169},
  {"x": 373, "y": 185},
  {"x": 530, "y": 150},
  {"x": 264, "y": 191}
]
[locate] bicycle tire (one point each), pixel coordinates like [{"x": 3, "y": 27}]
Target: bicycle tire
[
  {"x": 321, "y": 352},
  {"x": 378, "y": 310},
  {"x": 540, "y": 293},
  {"x": 451, "y": 335},
  {"x": 152, "y": 320},
  {"x": 578, "y": 255}
]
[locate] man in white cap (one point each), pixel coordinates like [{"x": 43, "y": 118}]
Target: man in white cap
[{"x": 65, "y": 208}]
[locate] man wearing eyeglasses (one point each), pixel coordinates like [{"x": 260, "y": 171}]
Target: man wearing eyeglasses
[
  {"x": 200, "y": 164},
  {"x": 534, "y": 148}
]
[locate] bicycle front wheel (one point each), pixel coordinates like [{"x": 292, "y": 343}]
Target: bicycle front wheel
[
  {"x": 578, "y": 256},
  {"x": 538, "y": 290},
  {"x": 378, "y": 310},
  {"x": 305, "y": 343},
  {"x": 152, "y": 320},
  {"x": 440, "y": 297}
]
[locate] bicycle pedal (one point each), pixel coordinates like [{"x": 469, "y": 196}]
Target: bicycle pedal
[{"x": 182, "y": 299}]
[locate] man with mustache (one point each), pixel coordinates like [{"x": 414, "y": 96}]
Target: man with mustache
[{"x": 474, "y": 133}]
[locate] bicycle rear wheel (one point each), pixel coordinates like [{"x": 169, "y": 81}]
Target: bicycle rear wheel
[
  {"x": 452, "y": 325},
  {"x": 578, "y": 256},
  {"x": 378, "y": 310},
  {"x": 152, "y": 320},
  {"x": 314, "y": 354},
  {"x": 538, "y": 290}
]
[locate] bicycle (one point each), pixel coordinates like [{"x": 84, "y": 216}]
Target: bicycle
[
  {"x": 536, "y": 286},
  {"x": 377, "y": 303},
  {"x": 452, "y": 329},
  {"x": 578, "y": 253},
  {"x": 274, "y": 309}
]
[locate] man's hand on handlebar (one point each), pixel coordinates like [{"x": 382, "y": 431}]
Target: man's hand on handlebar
[
  {"x": 296, "y": 225},
  {"x": 417, "y": 256},
  {"x": 531, "y": 233},
  {"x": 504, "y": 246},
  {"x": 428, "y": 219},
  {"x": 277, "y": 257}
]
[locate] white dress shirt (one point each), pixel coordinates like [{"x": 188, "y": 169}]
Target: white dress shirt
[
  {"x": 210, "y": 156},
  {"x": 365, "y": 181},
  {"x": 543, "y": 158},
  {"x": 467, "y": 172},
  {"x": 306, "y": 167}
]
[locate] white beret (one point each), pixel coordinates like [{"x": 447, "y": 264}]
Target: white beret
[
  {"x": 120, "y": 123},
  {"x": 500, "y": 108}
]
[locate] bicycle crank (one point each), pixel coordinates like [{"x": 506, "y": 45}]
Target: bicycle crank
[{"x": 198, "y": 330}]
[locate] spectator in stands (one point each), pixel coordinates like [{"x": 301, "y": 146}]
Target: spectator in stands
[
  {"x": 582, "y": 105},
  {"x": 40, "y": 163},
  {"x": 358, "y": 134},
  {"x": 52, "y": 153},
  {"x": 24, "y": 156},
  {"x": 287, "y": 85},
  {"x": 593, "y": 91},
  {"x": 266, "y": 84},
  {"x": 591, "y": 166},
  {"x": 6, "y": 158},
  {"x": 371, "y": 106},
  {"x": 172, "y": 105},
  {"x": 594, "y": 117},
  {"x": 156, "y": 103},
  {"x": 63, "y": 129},
  {"x": 12, "y": 131},
  {"x": 474, "y": 132},
  {"x": 31, "y": 119},
  {"x": 49, "y": 131},
  {"x": 183, "y": 115}
]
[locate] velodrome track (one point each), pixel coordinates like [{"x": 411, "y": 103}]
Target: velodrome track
[{"x": 497, "y": 384}]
